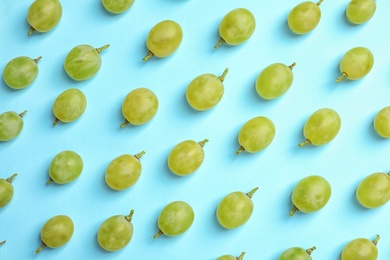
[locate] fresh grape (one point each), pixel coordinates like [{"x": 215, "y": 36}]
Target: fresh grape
[
  {"x": 230, "y": 257},
  {"x": 115, "y": 232},
  {"x": 236, "y": 27},
  {"x": 117, "y": 6},
  {"x": 163, "y": 39},
  {"x": 235, "y": 209},
  {"x": 256, "y": 134},
  {"x": 360, "y": 11},
  {"x": 274, "y": 80},
  {"x": 124, "y": 171},
  {"x": 356, "y": 64},
  {"x": 304, "y": 17},
  {"x": 175, "y": 219},
  {"x": 321, "y": 127},
  {"x": 69, "y": 106},
  {"x": 6, "y": 190},
  {"x": 186, "y": 157},
  {"x": 374, "y": 190},
  {"x": 361, "y": 249},
  {"x": 83, "y": 61},
  {"x": 56, "y": 232},
  {"x": 44, "y": 15},
  {"x": 205, "y": 91},
  {"x": 21, "y": 72},
  {"x": 382, "y": 122},
  {"x": 65, "y": 167},
  {"x": 310, "y": 194},
  {"x": 297, "y": 253},
  {"x": 139, "y": 106},
  {"x": 11, "y": 124}
]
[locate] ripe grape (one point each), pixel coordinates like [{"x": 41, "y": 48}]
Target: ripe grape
[
  {"x": 310, "y": 194},
  {"x": 115, "y": 232},
  {"x": 44, "y": 15},
  {"x": 374, "y": 190},
  {"x": 117, "y": 6},
  {"x": 235, "y": 209},
  {"x": 205, "y": 91},
  {"x": 186, "y": 157},
  {"x": 356, "y": 64},
  {"x": 11, "y": 124},
  {"x": 304, "y": 17},
  {"x": 360, "y": 11},
  {"x": 230, "y": 257},
  {"x": 69, "y": 106},
  {"x": 65, "y": 167},
  {"x": 163, "y": 39},
  {"x": 236, "y": 27},
  {"x": 297, "y": 253},
  {"x": 6, "y": 190},
  {"x": 321, "y": 127},
  {"x": 361, "y": 248},
  {"x": 256, "y": 134},
  {"x": 124, "y": 171},
  {"x": 382, "y": 122},
  {"x": 21, "y": 72},
  {"x": 83, "y": 61}
]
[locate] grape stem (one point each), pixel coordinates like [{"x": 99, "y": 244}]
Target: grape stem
[
  {"x": 319, "y": 2},
  {"x": 202, "y": 143},
  {"x": 292, "y": 66},
  {"x": 148, "y": 56},
  {"x": 222, "y": 77},
  {"x": 10, "y": 179},
  {"x": 219, "y": 43},
  {"x": 43, "y": 245},
  {"x": 159, "y": 233},
  {"x": 32, "y": 29},
  {"x": 37, "y": 59},
  {"x": 130, "y": 216},
  {"x": 2, "y": 242},
  {"x": 99, "y": 50},
  {"x": 342, "y": 76},
  {"x": 49, "y": 181},
  {"x": 250, "y": 194},
  {"x": 124, "y": 123},
  {"x": 306, "y": 142},
  {"x": 241, "y": 149},
  {"x": 241, "y": 256},
  {"x": 376, "y": 240},
  {"x": 139, "y": 155},
  {"x": 23, "y": 113},
  {"x": 310, "y": 250},
  {"x": 293, "y": 210},
  {"x": 55, "y": 121}
]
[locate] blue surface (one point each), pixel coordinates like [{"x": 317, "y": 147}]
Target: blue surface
[{"x": 356, "y": 152}]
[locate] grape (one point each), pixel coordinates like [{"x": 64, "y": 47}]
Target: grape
[
  {"x": 186, "y": 157},
  {"x": 274, "y": 80},
  {"x": 139, "y": 106},
  {"x": 304, "y": 17},
  {"x": 69, "y": 106},
  {"x": 205, "y": 91},
  {"x": 65, "y": 167},
  {"x": 6, "y": 190},
  {"x": 44, "y": 15},
  {"x": 382, "y": 122},
  {"x": 83, "y": 61},
  {"x": 115, "y": 232},
  {"x": 321, "y": 127},
  {"x": 235, "y": 209},
  {"x": 360, "y": 11},
  {"x": 163, "y": 39},
  {"x": 124, "y": 171},
  {"x": 310, "y": 194},
  {"x": 175, "y": 219},
  {"x": 256, "y": 134},
  {"x": 236, "y": 27},
  {"x": 21, "y": 72},
  {"x": 56, "y": 232},
  {"x": 117, "y": 6},
  {"x": 360, "y": 249},
  {"x": 374, "y": 190},
  {"x": 297, "y": 253},
  {"x": 11, "y": 124},
  {"x": 356, "y": 64},
  {"x": 230, "y": 257}
]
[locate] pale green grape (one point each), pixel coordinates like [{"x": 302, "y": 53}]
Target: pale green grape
[
  {"x": 139, "y": 106},
  {"x": 297, "y": 253},
  {"x": 6, "y": 190},
  {"x": 117, "y": 6},
  {"x": 175, "y": 219},
  {"x": 44, "y": 15},
  {"x": 83, "y": 61},
  {"x": 11, "y": 124},
  {"x": 69, "y": 106},
  {"x": 235, "y": 209},
  {"x": 231, "y": 257},
  {"x": 163, "y": 39},
  {"x": 356, "y": 64},
  {"x": 321, "y": 127},
  {"x": 274, "y": 80},
  {"x": 56, "y": 232},
  {"x": 205, "y": 91},
  {"x": 21, "y": 72},
  {"x": 374, "y": 190},
  {"x": 361, "y": 249},
  {"x": 256, "y": 134},
  {"x": 124, "y": 171},
  {"x": 382, "y": 122},
  {"x": 304, "y": 17},
  {"x": 186, "y": 157},
  {"x": 360, "y": 11},
  {"x": 115, "y": 232},
  {"x": 310, "y": 194},
  {"x": 65, "y": 167},
  {"x": 236, "y": 27}
]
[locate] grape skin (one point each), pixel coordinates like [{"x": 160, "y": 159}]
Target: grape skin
[
  {"x": 360, "y": 248},
  {"x": 297, "y": 253},
  {"x": 11, "y": 124},
  {"x": 69, "y": 105},
  {"x": 382, "y": 122},
  {"x": 21, "y": 72},
  {"x": 65, "y": 167},
  {"x": 44, "y": 15},
  {"x": 117, "y": 6},
  {"x": 374, "y": 190},
  {"x": 360, "y": 11},
  {"x": 231, "y": 257},
  {"x": 304, "y": 17},
  {"x": 6, "y": 190},
  {"x": 356, "y": 63}
]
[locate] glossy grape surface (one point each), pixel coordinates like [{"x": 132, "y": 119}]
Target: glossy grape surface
[
  {"x": 360, "y": 11},
  {"x": 304, "y": 17},
  {"x": 21, "y": 72},
  {"x": 297, "y": 253},
  {"x": 360, "y": 249},
  {"x": 69, "y": 105},
  {"x": 356, "y": 63},
  {"x": 6, "y": 190},
  {"x": 117, "y": 6},
  {"x": 11, "y": 124},
  {"x": 44, "y": 15},
  {"x": 231, "y": 257},
  {"x": 374, "y": 190},
  {"x": 382, "y": 122},
  {"x": 65, "y": 167}
]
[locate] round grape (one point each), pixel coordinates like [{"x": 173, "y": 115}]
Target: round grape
[
  {"x": 297, "y": 253},
  {"x": 374, "y": 190},
  {"x": 21, "y": 72},
  {"x": 360, "y": 248},
  {"x": 304, "y": 17},
  {"x": 356, "y": 64},
  {"x": 231, "y": 257},
  {"x": 11, "y": 124},
  {"x": 65, "y": 167},
  {"x": 117, "y": 6},
  {"x": 6, "y": 190},
  {"x": 382, "y": 122},
  {"x": 69, "y": 106},
  {"x": 360, "y": 11},
  {"x": 44, "y": 15}
]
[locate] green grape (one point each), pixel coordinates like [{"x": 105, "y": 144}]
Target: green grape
[
  {"x": 139, "y": 107},
  {"x": 360, "y": 11},
  {"x": 21, "y": 72},
  {"x": 83, "y": 61},
  {"x": 11, "y": 124},
  {"x": 205, "y": 91},
  {"x": 69, "y": 106},
  {"x": 56, "y": 232},
  {"x": 356, "y": 64},
  {"x": 117, "y": 6},
  {"x": 175, "y": 219},
  {"x": 124, "y": 171},
  {"x": 44, "y": 15},
  {"x": 374, "y": 190},
  {"x": 230, "y": 257},
  {"x": 382, "y": 122},
  {"x": 256, "y": 134},
  {"x": 310, "y": 194},
  {"x": 304, "y": 17},
  {"x": 297, "y": 253},
  {"x": 65, "y": 167},
  {"x": 236, "y": 27},
  {"x": 6, "y": 190},
  {"x": 321, "y": 127},
  {"x": 361, "y": 249},
  {"x": 235, "y": 209},
  {"x": 163, "y": 39},
  {"x": 115, "y": 232}
]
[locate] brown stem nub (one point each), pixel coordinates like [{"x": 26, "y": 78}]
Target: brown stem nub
[
  {"x": 293, "y": 210},
  {"x": 306, "y": 142},
  {"x": 376, "y": 240},
  {"x": 99, "y": 50},
  {"x": 159, "y": 233},
  {"x": 124, "y": 123},
  {"x": 130, "y": 216},
  {"x": 55, "y": 121},
  {"x": 241, "y": 149},
  {"x": 3, "y": 242},
  {"x": 250, "y": 194},
  {"x": 342, "y": 76},
  {"x": 37, "y": 59},
  {"x": 43, "y": 245},
  {"x": 139, "y": 155},
  {"x": 10, "y": 179},
  {"x": 292, "y": 66},
  {"x": 222, "y": 77},
  {"x": 220, "y": 42},
  {"x": 202, "y": 143},
  {"x": 310, "y": 250},
  {"x": 49, "y": 181},
  {"x": 23, "y": 113},
  {"x": 32, "y": 29},
  {"x": 319, "y": 2},
  {"x": 241, "y": 256},
  {"x": 148, "y": 56}
]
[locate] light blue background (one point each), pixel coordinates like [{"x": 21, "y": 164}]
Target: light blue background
[{"x": 356, "y": 152}]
